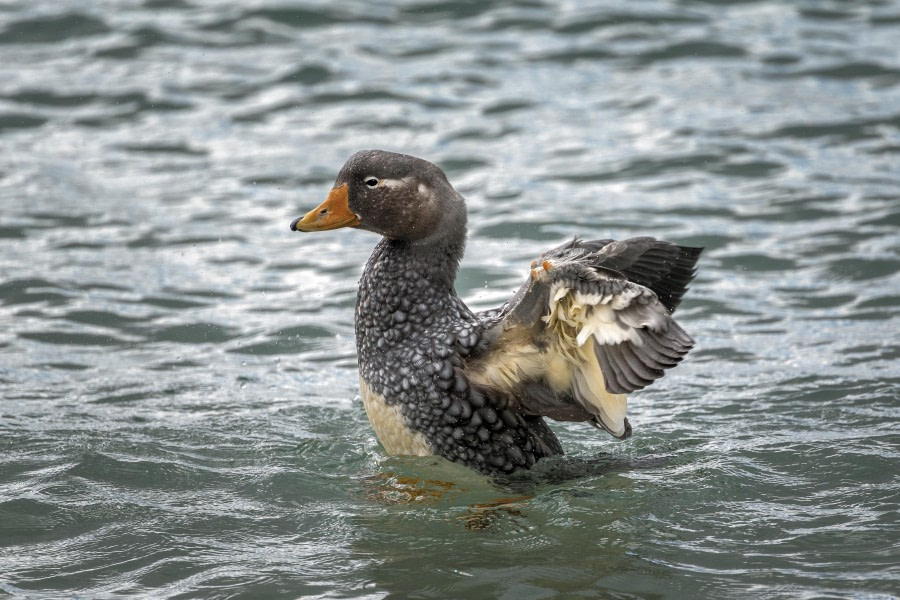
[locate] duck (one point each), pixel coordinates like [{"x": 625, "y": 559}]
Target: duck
[{"x": 591, "y": 324}]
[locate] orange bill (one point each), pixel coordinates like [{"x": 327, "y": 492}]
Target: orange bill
[{"x": 334, "y": 213}]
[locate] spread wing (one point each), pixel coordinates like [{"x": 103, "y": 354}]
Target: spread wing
[{"x": 592, "y": 323}]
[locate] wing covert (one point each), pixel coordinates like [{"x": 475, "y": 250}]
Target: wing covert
[{"x": 589, "y": 327}]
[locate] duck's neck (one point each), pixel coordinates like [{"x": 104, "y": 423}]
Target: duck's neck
[
  {"x": 434, "y": 260},
  {"x": 406, "y": 285}
]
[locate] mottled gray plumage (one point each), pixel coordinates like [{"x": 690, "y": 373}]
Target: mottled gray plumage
[
  {"x": 454, "y": 374},
  {"x": 414, "y": 337}
]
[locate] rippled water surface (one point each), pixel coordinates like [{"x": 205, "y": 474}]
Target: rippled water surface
[{"x": 180, "y": 413}]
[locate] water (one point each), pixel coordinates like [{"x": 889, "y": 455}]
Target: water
[{"x": 180, "y": 414}]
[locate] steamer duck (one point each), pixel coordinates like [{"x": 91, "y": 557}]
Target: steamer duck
[{"x": 592, "y": 323}]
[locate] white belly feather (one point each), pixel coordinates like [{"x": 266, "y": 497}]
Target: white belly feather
[{"x": 391, "y": 427}]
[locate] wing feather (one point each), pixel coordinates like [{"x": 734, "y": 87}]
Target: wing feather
[
  {"x": 666, "y": 269},
  {"x": 592, "y": 324}
]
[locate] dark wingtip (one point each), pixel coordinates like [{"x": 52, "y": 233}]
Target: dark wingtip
[
  {"x": 693, "y": 251},
  {"x": 294, "y": 223}
]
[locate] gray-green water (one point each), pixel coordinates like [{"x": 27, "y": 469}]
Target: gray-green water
[{"x": 179, "y": 413}]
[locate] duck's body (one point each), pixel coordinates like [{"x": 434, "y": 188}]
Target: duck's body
[
  {"x": 415, "y": 338},
  {"x": 591, "y": 324}
]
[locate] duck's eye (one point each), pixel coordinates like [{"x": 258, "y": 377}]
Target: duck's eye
[{"x": 371, "y": 182}]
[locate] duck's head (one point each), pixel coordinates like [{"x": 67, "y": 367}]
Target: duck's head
[{"x": 395, "y": 195}]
